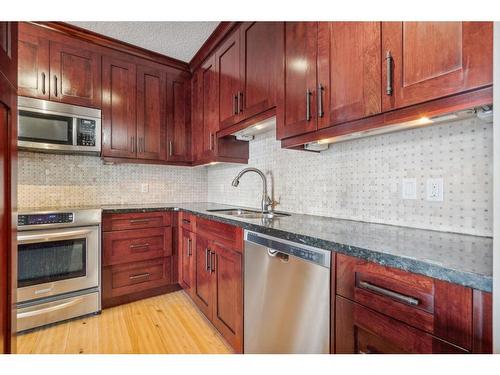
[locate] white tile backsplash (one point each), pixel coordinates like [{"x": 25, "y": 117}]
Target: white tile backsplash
[
  {"x": 359, "y": 179},
  {"x": 362, "y": 179},
  {"x": 47, "y": 180}
]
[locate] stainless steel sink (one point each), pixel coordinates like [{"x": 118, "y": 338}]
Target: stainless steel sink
[{"x": 248, "y": 214}]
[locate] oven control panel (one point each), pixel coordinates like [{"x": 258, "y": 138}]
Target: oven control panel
[{"x": 46, "y": 218}]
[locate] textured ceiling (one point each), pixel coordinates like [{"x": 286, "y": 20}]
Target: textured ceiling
[{"x": 180, "y": 40}]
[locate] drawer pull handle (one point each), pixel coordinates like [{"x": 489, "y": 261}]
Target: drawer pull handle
[
  {"x": 140, "y": 276},
  {"x": 139, "y": 245},
  {"x": 186, "y": 221},
  {"x": 139, "y": 221},
  {"x": 389, "y": 293}
]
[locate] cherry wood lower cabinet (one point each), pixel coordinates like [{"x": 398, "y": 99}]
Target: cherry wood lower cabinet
[
  {"x": 212, "y": 263},
  {"x": 380, "y": 309},
  {"x": 137, "y": 255}
]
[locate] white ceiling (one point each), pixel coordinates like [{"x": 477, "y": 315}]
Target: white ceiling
[{"x": 180, "y": 40}]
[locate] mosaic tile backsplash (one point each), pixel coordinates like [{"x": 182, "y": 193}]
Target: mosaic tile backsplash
[
  {"x": 48, "y": 180},
  {"x": 361, "y": 179}
]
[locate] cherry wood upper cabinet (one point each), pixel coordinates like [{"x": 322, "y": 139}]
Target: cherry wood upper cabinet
[
  {"x": 119, "y": 128},
  {"x": 228, "y": 74},
  {"x": 209, "y": 90},
  {"x": 197, "y": 135},
  {"x": 33, "y": 66},
  {"x": 75, "y": 74},
  {"x": 151, "y": 83},
  {"x": 261, "y": 66},
  {"x": 178, "y": 117},
  {"x": 349, "y": 65},
  {"x": 429, "y": 60},
  {"x": 298, "y": 100}
]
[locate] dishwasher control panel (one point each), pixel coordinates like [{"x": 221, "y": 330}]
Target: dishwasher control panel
[{"x": 311, "y": 254}]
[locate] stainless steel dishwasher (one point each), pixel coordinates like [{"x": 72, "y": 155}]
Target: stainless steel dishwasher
[{"x": 287, "y": 296}]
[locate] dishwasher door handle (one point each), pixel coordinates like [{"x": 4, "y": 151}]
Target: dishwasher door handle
[{"x": 279, "y": 255}]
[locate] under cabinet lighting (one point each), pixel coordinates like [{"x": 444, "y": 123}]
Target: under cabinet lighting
[{"x": 481, "y": 113}]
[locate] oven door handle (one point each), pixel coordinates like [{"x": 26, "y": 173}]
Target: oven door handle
[
  {"x": 46, "y": 310},
  {"x": 46, "y": 237}
]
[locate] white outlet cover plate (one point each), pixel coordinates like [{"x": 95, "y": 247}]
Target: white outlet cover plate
[
  {"x": 144, "y": 188},
  {"x": 435, "y": 189},
  {"x": 409, "y": 188}
]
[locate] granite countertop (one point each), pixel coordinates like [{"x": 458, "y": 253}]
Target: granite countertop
[{"x": 458, "y": 258}]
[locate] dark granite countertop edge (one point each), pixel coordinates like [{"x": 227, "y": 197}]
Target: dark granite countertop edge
[{"x": 468, "y": 279}]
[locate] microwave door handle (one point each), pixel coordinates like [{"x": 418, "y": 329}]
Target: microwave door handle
[
  {"x": 74, "y": 126},
  {"x": 30, "y": 238}
]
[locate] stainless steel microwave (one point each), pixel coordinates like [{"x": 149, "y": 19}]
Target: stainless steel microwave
[{"x": 58, "y": 127}]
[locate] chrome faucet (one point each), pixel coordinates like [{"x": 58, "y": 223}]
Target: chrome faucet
[{"x": 266, "y": 203}]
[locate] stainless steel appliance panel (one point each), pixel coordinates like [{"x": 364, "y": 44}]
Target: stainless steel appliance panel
[
  {"x": 50, "y": 242},
  {"x": 31, "y": 316},
  {"x": 286, "y": 296},
  {"x": 58, "y": 127}
]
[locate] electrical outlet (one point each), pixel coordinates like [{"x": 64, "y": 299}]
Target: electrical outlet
[
  {"x": 409, "y": 188},
  {"x": 144, "y": 188},
  {"x": 435, "y": 189}
]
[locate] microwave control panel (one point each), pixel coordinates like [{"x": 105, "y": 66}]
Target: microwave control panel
[{"x": 86, "y": 132}]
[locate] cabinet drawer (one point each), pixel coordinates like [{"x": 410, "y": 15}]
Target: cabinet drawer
[
  {"x": 361, "y": 330},
  {"x": 136, "y": 245},
  {"x": 437, "y": 307},
  {"x": 135, "y": 277},
  {"x": 187, "y": 221},
  {"x": 227, "y": 234},
  {"x": 111, "y": 222}
]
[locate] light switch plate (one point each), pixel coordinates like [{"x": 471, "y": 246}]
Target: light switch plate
[
  {"x": 435, "y": 189},
  {"x": 409, "y": 188}
]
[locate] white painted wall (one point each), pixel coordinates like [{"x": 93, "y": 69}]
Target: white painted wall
[{"x": 496, "y": 190}]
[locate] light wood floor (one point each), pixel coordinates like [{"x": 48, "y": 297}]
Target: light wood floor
[{"x": 168, "y": 323}]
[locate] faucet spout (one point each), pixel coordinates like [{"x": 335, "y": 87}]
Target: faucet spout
[{"x": 266, "y": 202}]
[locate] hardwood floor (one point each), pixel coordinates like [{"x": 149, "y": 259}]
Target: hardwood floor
[{"x": 169, "y": 323}]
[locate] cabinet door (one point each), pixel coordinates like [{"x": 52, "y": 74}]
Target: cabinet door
[
  {"x": 434, "y": 59},
  {"x": 209, "y": 107},
  {"x": 363, "y": 331},
  {"x": 197, "y": 135},
  {"x": 119, "y": 108},
  {"x": 75, "y": 73},
  {"x": 8, "y": 157},
  {"x": 349, "y": 65},
  {"x": 261, "y": 66},
  {"x": 228, "y": 73},
  {"x": 300, "y": 79},
  {"x": 150, "y": 113},
  {"x": 228, "y": 293},
  {"x": 33, "y": 67},
  {"x": 187, "y": 256},
  {"x": 202, "y": 293},
  {"x": 178, "y": 118}
]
